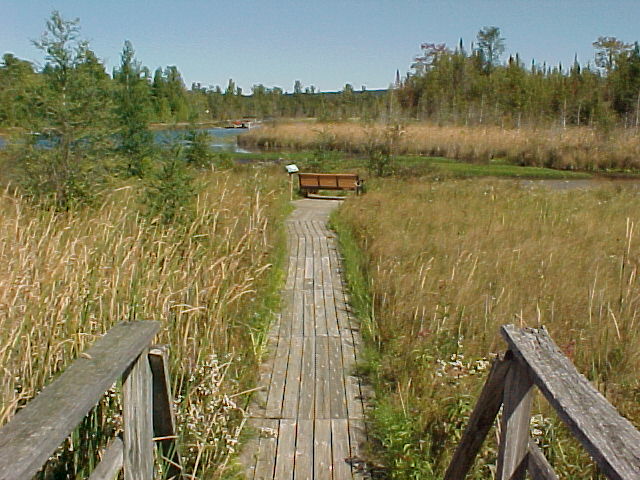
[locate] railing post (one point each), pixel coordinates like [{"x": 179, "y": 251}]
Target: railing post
[
  {"x": 164, "y": 423},
  {"x": 516, "y": 417},
  {"x": 138, "y": 421}
]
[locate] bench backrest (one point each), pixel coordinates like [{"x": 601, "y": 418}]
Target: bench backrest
[{"x": 329, "y": 181}]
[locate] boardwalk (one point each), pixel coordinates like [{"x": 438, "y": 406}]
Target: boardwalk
[{"x": 310, "y": 415}]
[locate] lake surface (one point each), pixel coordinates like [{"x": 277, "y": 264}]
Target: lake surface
[{"x": 222, "y": 139}]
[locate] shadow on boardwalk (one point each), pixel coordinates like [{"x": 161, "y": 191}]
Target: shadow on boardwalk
[{"x": 309, "y": 414}]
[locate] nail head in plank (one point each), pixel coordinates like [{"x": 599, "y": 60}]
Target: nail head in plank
[
  {"x": 322, "y": 457},
  {"x": 267, "y": 448},
  {"x": 304, "y": 450},
  {"x": 340, "y": 449},
  {"x": 285, "y": 457}
]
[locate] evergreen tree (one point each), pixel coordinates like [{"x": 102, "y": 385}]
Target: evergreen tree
[
  {"x": 491, "y": 45},
  {"x": 133, "y": 108},
  {"x": 73, "y": 108}
]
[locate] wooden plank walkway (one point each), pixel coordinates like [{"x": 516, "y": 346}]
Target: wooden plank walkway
[{"x": 310, "y": 413}]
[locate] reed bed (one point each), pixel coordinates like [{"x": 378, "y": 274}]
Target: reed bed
[
  {"x": 67, "y": 278},
  {"x": 448, "y": 263},
  {"x": 567, "y": 149}
]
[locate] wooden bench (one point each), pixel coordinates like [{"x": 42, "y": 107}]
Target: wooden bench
[{"x": 313, "y": 182}]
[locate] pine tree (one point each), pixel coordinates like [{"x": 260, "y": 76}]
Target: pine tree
[
  {"x": 133, "y": 108},
  {"x": 73, "y": 110}
]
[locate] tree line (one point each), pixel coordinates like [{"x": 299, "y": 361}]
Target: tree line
[
  {"x": 457, "y": 86},
  {"x": 162, "y": 96}
]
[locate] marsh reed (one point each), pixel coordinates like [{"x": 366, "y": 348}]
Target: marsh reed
[
  {"x": 66, "y": 278},
  {"x": 567, "y": 149},
  {"x": 448, "y": 262}
]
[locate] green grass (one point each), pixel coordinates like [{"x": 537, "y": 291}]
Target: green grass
[{"x": 411, "y": 165}]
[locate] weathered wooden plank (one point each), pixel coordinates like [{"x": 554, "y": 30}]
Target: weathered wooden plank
[
  {"x": 164, "y": 419},
  {"x": 340, "y": 449},
  {"x": 293, "y": 243},
  {"x": 331, "y": 317},
  {"x": 322, "y": 457},
  {"x": 516, "y": 417},
  {"x": 304, "y": 451},
  {"x": 320, "y": 316},
  {"x": 286, "y": 454},
  {"x": 357, "y": 441},
  {"x": 27, "y": 441},
  {"x": 308, "y": 266},
  {"x": 267, "y": 447},
  {"x": 610, "y": 439},
  {"x": 480, "y": 422},
  {"x": 111, "y": 462},
  {"x": 292, "y": 386},
  {"x": 291, "y": 271},
  {"x": 338, "y": 398},
  {"x": 301, "y": 283},
  {"x": 317, "y": 263},
  {"x": 309, "y": 327},
  {"x": 137, "y": 416},
  {"x": 278, "y": 379},
  {"x": 295, "y": 313},
  {"x": 306, "y": 405},
  {"x": 538, "y": 465},
  {"x": 323, "y": 392}
]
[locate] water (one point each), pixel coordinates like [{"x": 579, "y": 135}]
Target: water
[{"x": 222, "y": 139}]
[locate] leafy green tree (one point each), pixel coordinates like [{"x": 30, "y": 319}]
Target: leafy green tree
[
  {"x": 491, "y": 45},
  {"x": 72, "y": 110},
  {"x": 133, "y": 110},
  {"x": 18, "y": 81},
  {"x": 607, "y": 51}
]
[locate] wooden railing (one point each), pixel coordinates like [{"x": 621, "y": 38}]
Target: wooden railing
[
  {"x": 36, "y": 431},
  {"x": 533, "y": 359}
]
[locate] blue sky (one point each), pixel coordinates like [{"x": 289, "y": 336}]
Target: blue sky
[{"x": 326, "y": 43}]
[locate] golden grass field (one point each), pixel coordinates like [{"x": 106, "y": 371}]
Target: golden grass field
[
  {"x": 67, "y": 277},
  {"x": 573, "y": 148},
  {"x": 448, "y": 262}
]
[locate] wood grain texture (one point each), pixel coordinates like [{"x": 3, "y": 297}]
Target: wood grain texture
[
  {"x": 610, "y": 439},
  {"x": 164, "y": 419},
  {"x": 27, "y": 441},
  {"x": 111, "y": 462},
  {"x": 313, "y": 395},
  {"x": 137, "y": 419},
  {"x": 516, "y": 416},
  {"x": 538, "y": 466},
  {"x": 480, "y": 422}
]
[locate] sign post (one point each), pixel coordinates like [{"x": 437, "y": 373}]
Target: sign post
[{"x": 291, "y": 169}]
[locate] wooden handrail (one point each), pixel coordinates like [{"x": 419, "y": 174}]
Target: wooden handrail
[
  {"x": 534, "y": 359},
  {"x": 33, "y": 434}
]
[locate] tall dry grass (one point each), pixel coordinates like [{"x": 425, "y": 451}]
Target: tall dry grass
[
  {"x": 448, "y": 263},
  {"x": 67, "y": 278},
  {"x": 573, "y": 148}
]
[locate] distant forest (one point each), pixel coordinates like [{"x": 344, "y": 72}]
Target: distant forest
[{"x": 444, "y": 85}]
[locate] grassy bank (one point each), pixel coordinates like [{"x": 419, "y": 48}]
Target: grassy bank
[
  {"x": 406, "y": 166},
  {"x": 212, "y": 283},
  {"x": 570, "y": 149},
  {"x": 446, "y": 263}
]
